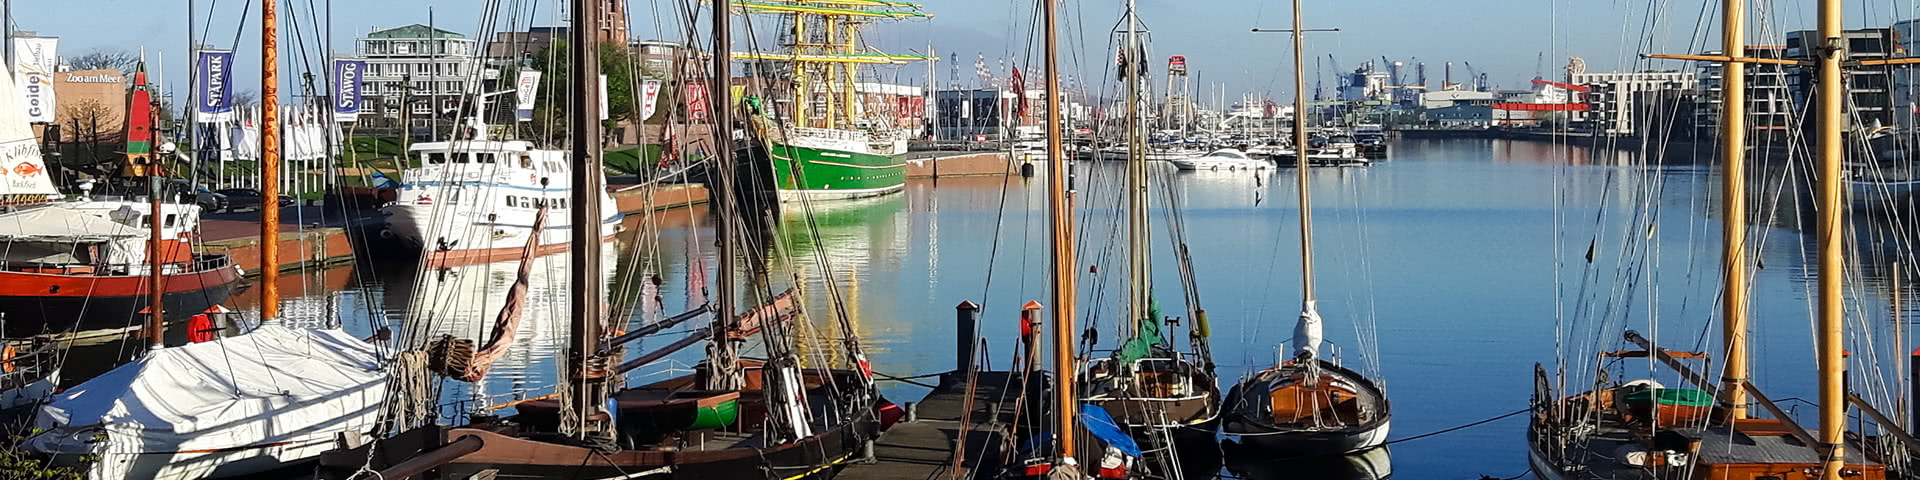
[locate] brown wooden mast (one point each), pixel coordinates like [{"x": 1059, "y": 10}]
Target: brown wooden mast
[
  {"x": 1060, "y": 221},
  {"x": 1829, "y": 239},
  {"x": 723, "y": 361},
  {"x": 269, "y": 161},
  {"x": 586, "y": 381},
  {"x": 1733, "y": 196},
  {"x": 156, "y": 277}
]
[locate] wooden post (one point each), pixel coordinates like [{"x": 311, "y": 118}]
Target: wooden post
[
  {"x": 966, "y": 331},
  {"x": 1030, "y": 335}
]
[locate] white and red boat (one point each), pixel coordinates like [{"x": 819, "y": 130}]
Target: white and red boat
[
  {"x": 82, "y": 264},
  {"x": 472, "y": 201}
]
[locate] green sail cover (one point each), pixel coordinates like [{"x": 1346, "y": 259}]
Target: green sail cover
[
  {"x": 1684, "y": 397},
  {"x": 717, "y": 416},
  {"x": 1146, "y": 334}
]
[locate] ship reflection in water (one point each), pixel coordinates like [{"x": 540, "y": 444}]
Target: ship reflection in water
[{"x": 1375, "y": 464}]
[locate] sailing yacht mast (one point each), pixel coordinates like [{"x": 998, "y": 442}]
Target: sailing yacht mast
[
  {"x": 1829, "y": 237},
  {"x": 1733, "y": 195},
  {"x": 1137, "y": 273},
  {"x": 1060, "y": 222},
  {"x": 269, "y": 160},
  {"x": 586, "y": 377},
  {"x": 1307, "y": 332},
  {"x": 723, "y": 364}
]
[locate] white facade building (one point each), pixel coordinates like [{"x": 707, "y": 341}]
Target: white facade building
[
  {"x": 427, "y": 63},
  {"x": 1610, "y": 102}
]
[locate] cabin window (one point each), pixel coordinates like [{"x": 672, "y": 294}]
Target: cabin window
[
  {"x": 170, "y": 219},
  {"x": 436, "y": 158},
  {"x": 485, "y": 157},
  {"x": 510, "y": 200},
  {"x": 462, "y": 157},
  {"x": 526, "y": 161}
]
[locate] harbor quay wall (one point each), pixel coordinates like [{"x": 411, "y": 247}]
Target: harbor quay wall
[
  {"x": 332, "y": 246},
  {"x": 961, "y": 165}
]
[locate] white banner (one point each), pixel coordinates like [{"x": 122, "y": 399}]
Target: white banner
[
  {"x": 649, "y": 98},
  {"x": 33, "y": 64},
  {"x": 524, "y": 91},
  {"x": 603, "y": 97}
]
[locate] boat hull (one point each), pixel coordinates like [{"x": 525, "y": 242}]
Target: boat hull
[
  {"x": 825, "y": 173},
  {"x": 461, "y": 240},
  {"x": 1248, "y": 423},
  {"x": 40, "y": 304},
  {"x": 224, "y": 463}
]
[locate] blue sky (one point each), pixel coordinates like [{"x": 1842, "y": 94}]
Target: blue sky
[{"x": 1504, "y": 38}]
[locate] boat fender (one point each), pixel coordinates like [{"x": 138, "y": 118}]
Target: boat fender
[
  {"x": 6, "y": 358},
  {"x": 386, "y": 234}
]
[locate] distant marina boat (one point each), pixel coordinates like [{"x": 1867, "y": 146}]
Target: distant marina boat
[
  {"x": 496, "y": 188},
  {"x": 1222, "y": 159}
]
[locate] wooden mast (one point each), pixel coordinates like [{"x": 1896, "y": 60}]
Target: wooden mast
[
  {"x": 156, "y": 262},
  {"x": 1060, "y": 221},
  {"x": 1829, "y": 240},
  {"x": 585, "y": 378},
  {"x": 1733, "y": 198},
  {"x": 269, "y": 161},
  {"x": 723, "y": 361},
  {"x": 1137, "y": 266},
  {"x": 1300, "y": 156}
]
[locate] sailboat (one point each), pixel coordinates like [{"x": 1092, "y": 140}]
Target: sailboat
[
  {"x": 1641, "y": 429},
  {"x": 1148, "y": 386},
  {"x": 848, "y": 152},
  {"x": 269, "y": 398},
  {"x": 1308, "y": 404},
  {"x": 732, "y": 418}
]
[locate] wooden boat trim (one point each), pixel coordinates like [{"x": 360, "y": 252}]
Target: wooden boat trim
[{"x": 1385, "y": 413}]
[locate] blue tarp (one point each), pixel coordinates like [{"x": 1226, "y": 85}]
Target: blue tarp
[{"x": 1101, "y": 425}]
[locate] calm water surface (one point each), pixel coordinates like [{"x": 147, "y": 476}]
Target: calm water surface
[{"x": 1445, "y": 259}]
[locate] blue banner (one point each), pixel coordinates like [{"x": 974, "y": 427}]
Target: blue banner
[
  {"x": 348, "y": 76},
  {"x": 214, "y": 72}
]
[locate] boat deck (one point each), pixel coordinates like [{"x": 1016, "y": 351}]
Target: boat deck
[
  {"x": 925, "y": 449},
  {"x": 1600, "y": 457}
]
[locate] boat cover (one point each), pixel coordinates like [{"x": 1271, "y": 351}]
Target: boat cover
[
  {"x": 1101, "y": 425},
  {"x": 55, "y": 223},
  {"x": 272, "y": 384}
]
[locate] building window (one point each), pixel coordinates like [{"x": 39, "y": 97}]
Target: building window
[{"x": 402, "y": 47}]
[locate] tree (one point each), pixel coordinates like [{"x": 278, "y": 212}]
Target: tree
[
  {"x": 106, "y": 59},
  {"x": 550, "y": 103},
  {"x": 94, "y": 129},
  {"x": 246, "y": 97}
]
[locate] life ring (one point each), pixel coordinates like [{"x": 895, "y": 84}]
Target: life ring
[{"x": 6, "y": 358}]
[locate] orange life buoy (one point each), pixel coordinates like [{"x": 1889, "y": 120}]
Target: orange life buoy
[{"x": 6, "y": 358}]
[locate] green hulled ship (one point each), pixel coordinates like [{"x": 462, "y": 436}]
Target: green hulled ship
[{"x": 827, "y": 146}]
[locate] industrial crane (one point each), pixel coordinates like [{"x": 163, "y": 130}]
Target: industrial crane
[{"x": 1474, "y": 79}]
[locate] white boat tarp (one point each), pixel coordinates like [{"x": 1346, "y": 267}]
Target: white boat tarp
[
  {"x": 274, "y": 384},
  {"x": 55, "y": 223},
  {"x": 22, "y": 170}
]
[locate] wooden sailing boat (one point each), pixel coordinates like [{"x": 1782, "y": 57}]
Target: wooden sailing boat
[
  {"x": 1610, "y": 433},
  {"x": 1147, "y": 385},
  {"x": 1308, "y": 404},
  {"x": 731, "y": 419}
]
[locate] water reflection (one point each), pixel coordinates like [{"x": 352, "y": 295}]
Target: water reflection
[{"x": 1375, "y": 464}]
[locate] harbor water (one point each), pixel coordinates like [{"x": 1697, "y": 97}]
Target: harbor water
[{"x": 1449, "y": 269}]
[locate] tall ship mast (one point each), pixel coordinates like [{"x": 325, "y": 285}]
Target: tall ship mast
[{"x": 827, "y": 145}]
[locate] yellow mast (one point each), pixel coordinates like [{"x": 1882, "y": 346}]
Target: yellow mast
[
  {"x": 1060, "y": 221},
  {"x": 1833, "y": 414},
  {"x": 851, "y": 30},
  {"x": 833, "y": 117},
  {"x": 1733, "y": 193},
  {"x": 802, "y": 98}
]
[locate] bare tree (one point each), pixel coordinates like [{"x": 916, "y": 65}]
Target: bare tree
[
  {"x": 245, "y": 97},
  {"x": 92, "y": 128},
  {"x": 106, "y": 59}
]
